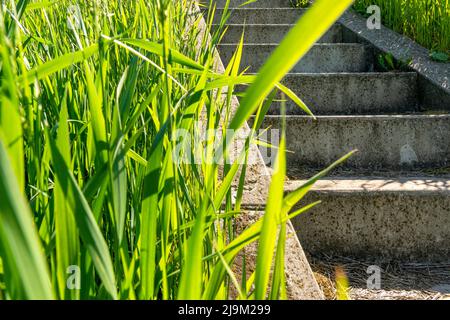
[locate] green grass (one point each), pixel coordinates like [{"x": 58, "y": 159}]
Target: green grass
[
  {"x": 89, "y": 106},
  {"x": 425, "y": 21}
]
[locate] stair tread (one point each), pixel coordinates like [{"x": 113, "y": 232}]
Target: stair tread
[
  {"x": 261, "y": 15},
  {"x": 356, "y": 74},
  {"x": 331, "y": 44},
  {"x": 379, "y": 117},
  {"x": 377, "y": 184},
  {"x": 259, "y": 24},
  {"x": 347, "y": 74},
  {"x": 254, "y": 4},
  {"x": 281, "y": 24},
  {"x": 263, "y": 9}
]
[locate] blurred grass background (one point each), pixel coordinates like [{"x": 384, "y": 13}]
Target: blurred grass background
[{"x": 425, "y": 21}]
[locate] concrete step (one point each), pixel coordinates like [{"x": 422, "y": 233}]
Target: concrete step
[
  {"x": 394, "y": 218},
  {"x": 261, "y": 15},
  {"x": 256, "y": 4},
  {"x": 301, "y": 172},
  {"x": 396, "y": 142},
  {"x": 353, "y": 93},
  {"x": 322, "y": 58},
  {"x": 272, "y": 33}
]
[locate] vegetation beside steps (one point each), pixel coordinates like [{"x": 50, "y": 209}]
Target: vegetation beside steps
[{"x": 427, "y": 22}]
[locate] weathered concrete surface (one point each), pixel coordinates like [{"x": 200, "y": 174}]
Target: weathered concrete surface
[
  {"x": 353, "y": 93},
  {"x": 404, "y": 219},
  {"x": 272, "y": 33},
  {"x": 434, "y": 77},
  {"x": 261, "y": 15},
  {"x": 301, "y": 284},
  {"x": 384, "y": 142},
  {"x": 324, "y": 57}
]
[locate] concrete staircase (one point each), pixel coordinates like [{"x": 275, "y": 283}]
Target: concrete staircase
[{"x": 390, "y": 200}]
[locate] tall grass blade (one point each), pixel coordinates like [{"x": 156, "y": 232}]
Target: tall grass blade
[
  {"x": 66, "y": 234},
  {"x": 87, "y": 225},
  {"x": 25, "y": 270}
]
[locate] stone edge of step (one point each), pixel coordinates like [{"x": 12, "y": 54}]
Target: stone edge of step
[
  {"x": 257, "y": 24},
  {"x": 285, "y": 3},
  {"x": 376, "y": 117},
  {"x": 377, "y": 185},
  {"x": 317, "y": 45},
  {"x": 401, "y": 47},
  {"x": 347, "y": 74},
  {"x": 243, "y": 9},
  {"x": 356, "y": 74}
]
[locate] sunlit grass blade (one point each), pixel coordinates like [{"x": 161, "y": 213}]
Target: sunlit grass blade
[
  {"x": 87, "y": 225},
  {"x": 10, "y": 118},
  {"x": 157, "y": 49},
  {"x": 67, "y": 246},
  {"x": 41, "y": 4},
  {"x": 272, "y": 218},
  {"x": 342, "y": 284},
  {"x": 60, "y": 63},
  {"x": 278, "y": 287},
  {"x": 150, "y": 217},
  {"x": 25, "y": 270}
]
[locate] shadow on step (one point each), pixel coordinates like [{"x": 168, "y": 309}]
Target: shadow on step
[{"x": 374, "y": 279}]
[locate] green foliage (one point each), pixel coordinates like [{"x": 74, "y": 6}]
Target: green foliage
[
  {"x": 300, "y": 3},
  {"x": 92, "y": 94},
  {"x": 440, "y": 56},
  {"x": 387, "y": 62}
]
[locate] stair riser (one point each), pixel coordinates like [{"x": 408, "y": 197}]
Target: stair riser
[
  {"x": 403, "y": 226},
  {"x": 261, "y": 16},
  {"x": 353, "y": 94},
  {"x": 272, "y": 34},
  {"x": 384, "y": 143},
  {"x": 321, "y": 58}
]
